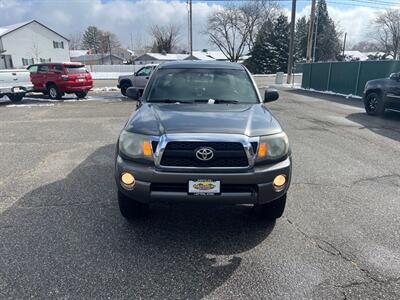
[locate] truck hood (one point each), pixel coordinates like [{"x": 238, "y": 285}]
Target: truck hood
[{"x": 246, "y": 119}]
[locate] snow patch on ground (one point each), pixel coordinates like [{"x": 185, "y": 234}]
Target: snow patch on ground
[
  {"x": 105, "y": 89},
  {"x": 108, "y": 75},
  {"x": 29, "y": 105}
]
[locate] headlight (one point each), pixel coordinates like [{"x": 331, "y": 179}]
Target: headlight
[
  {"x": 273, "y": 147},
  {"x": 135, "y": 145}
]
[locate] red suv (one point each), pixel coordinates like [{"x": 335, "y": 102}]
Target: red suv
[{"x": 57, "y": 79}]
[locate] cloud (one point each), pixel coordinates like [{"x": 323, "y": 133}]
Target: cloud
[
  {"x": 123, "y": 17},
  {"x": 128, "y": 17}
]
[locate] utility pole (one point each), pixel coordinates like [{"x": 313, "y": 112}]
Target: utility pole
[
  {"x": 291, "y": 44},
  {"x": 315, "y": 37},
  {"x": 311, "y": 31},
  {"x": 109, "y": 47},
  {"x": 344, "y": 43},
  {"x": 190, "y": 28}
]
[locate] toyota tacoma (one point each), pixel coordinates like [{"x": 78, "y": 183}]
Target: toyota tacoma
[{"x": 202, "y": 133}]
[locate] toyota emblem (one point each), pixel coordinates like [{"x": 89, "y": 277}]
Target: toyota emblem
[{"x": 205, "y": 154}]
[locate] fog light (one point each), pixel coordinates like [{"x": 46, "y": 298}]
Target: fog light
[
  {"x": 127, "y": 179},
  {"x": 279, "y": 182}
]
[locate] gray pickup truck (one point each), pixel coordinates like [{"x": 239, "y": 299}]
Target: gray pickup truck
[
  {"x": 137, "y": 80},
  {"x": 202, "y": 133},
  {"x": 382, "y": 94}
]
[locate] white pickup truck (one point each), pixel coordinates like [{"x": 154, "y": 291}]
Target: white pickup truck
[{"x": 15, "y": 84}]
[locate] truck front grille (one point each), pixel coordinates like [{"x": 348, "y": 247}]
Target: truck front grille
[{"x": 183, "y": 154}]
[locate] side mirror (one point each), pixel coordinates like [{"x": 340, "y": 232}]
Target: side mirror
[
  {"x": 270, "y": 95},
  {"x": 133, "y": 93},
  {"x": 395, "y": 76}
]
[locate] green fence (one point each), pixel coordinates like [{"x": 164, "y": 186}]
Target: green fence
[{"x": 345, "y": 77}]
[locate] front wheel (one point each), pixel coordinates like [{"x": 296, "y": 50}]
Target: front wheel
[
  {"x": 272, "y": 210},
  {"x": 131, "y": 209},
  {"x": 81, "y": 95},
  {"x": 124, "y": 87},
  {"x": 16, "y": 97},
  {"x": 374, "y": 104}
]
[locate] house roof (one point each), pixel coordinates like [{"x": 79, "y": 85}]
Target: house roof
[
  {"x": 10, "y": 28},
  {"x": 200, "y": 55},
  {"x": 161, "y": 56},
  {"x": 218, "y": 55},
  {"x": 93, "y": 57},
  {"x": 77, "y": 53}
]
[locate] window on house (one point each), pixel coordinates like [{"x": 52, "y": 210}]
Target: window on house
[
  {"x": 45, "y": 60},
  {"x": 27, "y": 61},
  {"x": 57, "y": 45}
]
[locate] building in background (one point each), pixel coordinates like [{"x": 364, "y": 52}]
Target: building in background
[
  {"x": 158, "y": 58},
  {"x": 99, "y": 59},
  {"x": 31, "y": 42}
]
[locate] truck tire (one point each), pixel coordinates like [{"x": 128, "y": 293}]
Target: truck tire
[
  {"x": 374, "y": 104},
  {"x": 272, "y": 210},
  {"x": 16, "y": 97},
  {"x": 81, "y": 95},
  {"x": 124, "y": 86},
  {"x": 131, "y": 209},
  {"x": 53, "y": 92}
]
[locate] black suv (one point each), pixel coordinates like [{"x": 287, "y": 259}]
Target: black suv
[
  {"x": 202, "y": 134},
  {"x": 381, "y": 94}
]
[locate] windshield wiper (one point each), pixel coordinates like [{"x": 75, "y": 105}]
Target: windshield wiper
[
  {"x": 168, "y": 101},
  {"x": 212, "y": 100}
]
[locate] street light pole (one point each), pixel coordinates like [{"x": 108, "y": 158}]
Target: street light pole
[{"x": 291, "y": 44}]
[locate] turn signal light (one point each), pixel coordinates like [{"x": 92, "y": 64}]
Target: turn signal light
[
  {"x": 262, "y": 150},
  {"x": 279, "y": 182},
  {"x": 146, "y": 148}
]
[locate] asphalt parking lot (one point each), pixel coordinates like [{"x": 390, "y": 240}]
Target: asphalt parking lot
[{"x": 62, "y": 236}]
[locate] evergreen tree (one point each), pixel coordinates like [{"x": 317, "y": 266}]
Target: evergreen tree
[
  {"x": 92, "y": 39},
  {"x": 328, "y": 43},
  {"x": 301, "y": 39},
  {"x": 271, "y": 48}
]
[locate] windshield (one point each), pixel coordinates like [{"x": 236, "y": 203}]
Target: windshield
[
  {"x": 202, "y": 85},
  {"x": 75, "y": 69}
]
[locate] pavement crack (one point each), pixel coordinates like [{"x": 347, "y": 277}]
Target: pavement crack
[
  {"x": 331, "y": 249},
  {"x": 373, "y": 178}
]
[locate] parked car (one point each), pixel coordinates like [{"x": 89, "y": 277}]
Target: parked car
[
  {"x": 202, "y": 134},
  {"x": 381, "y": 94},
  {"x": 15, "y": 84},
  {"x": 57, "y": 79},
  {"x": 138, "y": 79}
]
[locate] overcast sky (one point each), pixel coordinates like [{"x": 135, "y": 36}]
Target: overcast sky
[{"x": 129, "y": 18}]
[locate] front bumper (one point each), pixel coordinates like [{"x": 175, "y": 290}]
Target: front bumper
[{"x": 253, "y": 186}]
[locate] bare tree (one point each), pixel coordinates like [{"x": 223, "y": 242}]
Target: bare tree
[
  {"x": 166, "y": 38},
  {"x": 108, "y": 40},
  {"x": 388, "y": 31},
  {"x": 255, "y": 14},
  {"x": 233, "y": 29},
  {"x": 75, "y": 41}
]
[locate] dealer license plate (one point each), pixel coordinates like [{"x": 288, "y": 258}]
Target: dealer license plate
[{"x": 204, "y": 187}]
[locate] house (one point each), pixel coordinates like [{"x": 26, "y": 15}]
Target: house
[
  {"x": 158, "y": 58},
  {"x": 31, "y": 42},
  {"x": 199, "y": 55},
  {"x": 98, "y": 59}
]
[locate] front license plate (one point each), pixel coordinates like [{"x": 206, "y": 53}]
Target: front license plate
[
  {"x": 204, "y": 187},
  {"x": 80, "y": 79}
]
